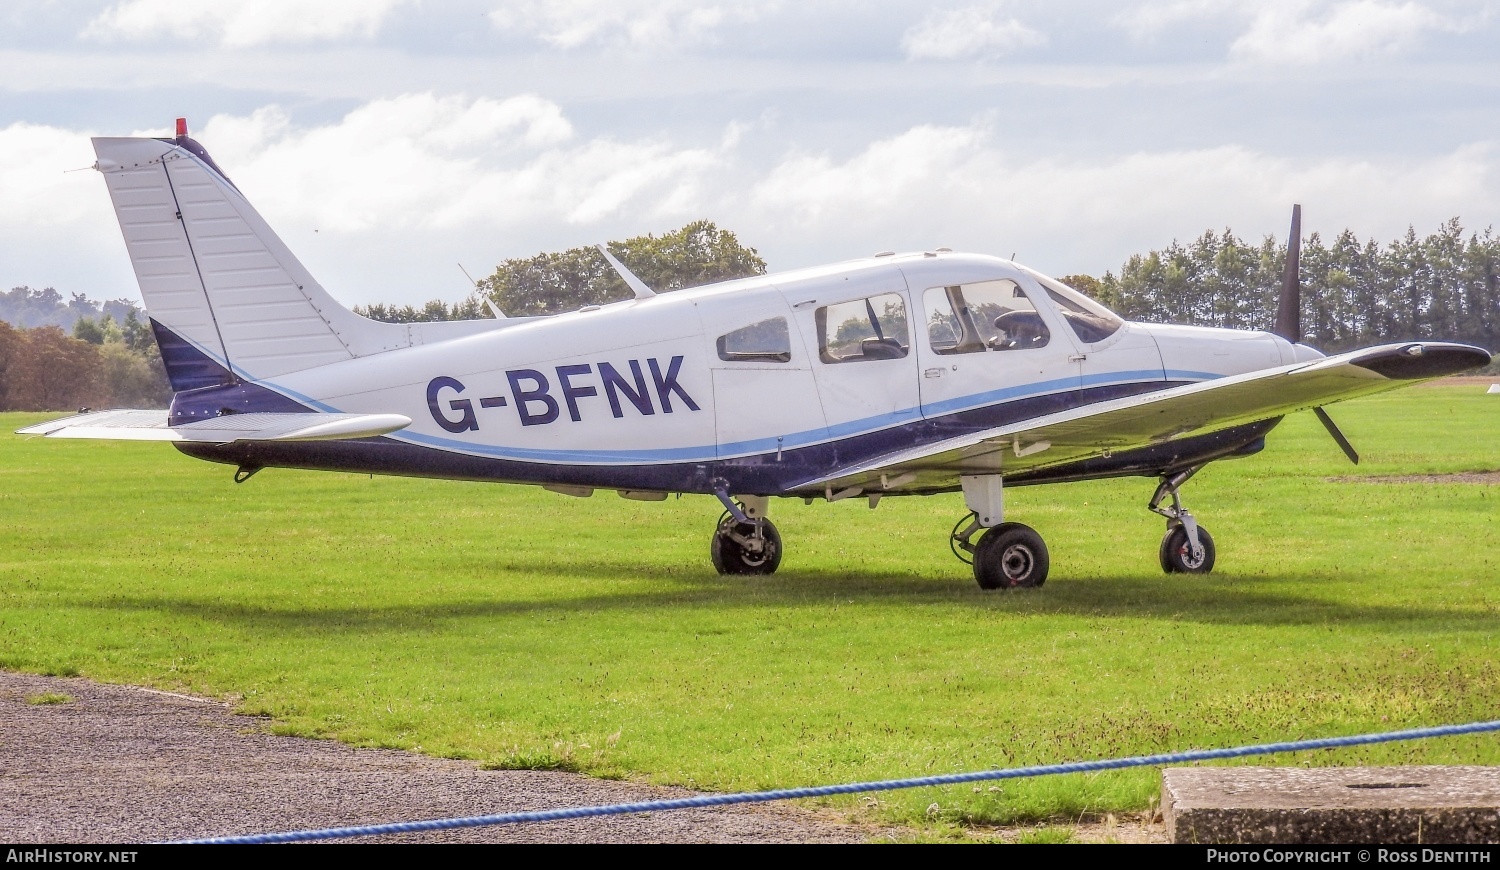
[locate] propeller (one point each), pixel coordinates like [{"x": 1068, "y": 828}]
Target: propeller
[
  {"x": 1289, "y": 318},
  {"x": 1289, "y": 312}
]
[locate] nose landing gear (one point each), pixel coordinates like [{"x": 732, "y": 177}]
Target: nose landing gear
[
  {"x": 1187, "y": 548},
  {"x": 745, "y": 542}
]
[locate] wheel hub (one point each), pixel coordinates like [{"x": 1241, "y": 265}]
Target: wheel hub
[{"x": 1017, "y": 562}]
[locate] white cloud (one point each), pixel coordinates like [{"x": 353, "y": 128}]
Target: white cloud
[
  {"x": 1290, "y": 32},
  {"x": 1149, "y": 19},
  {"x": 1301, "y": 32},
  {"x": 651, "y": 24},
  {"x": 241, "y": 23},
  {"x": 959, "y": 186},
  {"x": 380, "y": 202},
  {"x": 57, "y": 226},
  {"x": 971, "y": 31},
  {"x": 435, "y": 163}
]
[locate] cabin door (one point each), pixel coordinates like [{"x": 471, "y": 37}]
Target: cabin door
[{"x": 856, "y": 326}]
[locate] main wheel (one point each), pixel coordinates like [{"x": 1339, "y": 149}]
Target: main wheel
[
  {"x": 736, "y": 549},
  {"x": 1010, "y": 556},
  {"x": 1177, "y": 557}
]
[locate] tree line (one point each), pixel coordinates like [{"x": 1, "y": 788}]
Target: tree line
[
  {"x": 1442, "y": 286},
  {"x": 104, "y": 363}
]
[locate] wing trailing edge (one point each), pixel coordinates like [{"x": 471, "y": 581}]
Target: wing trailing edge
[{"x": 130, "y": 425}]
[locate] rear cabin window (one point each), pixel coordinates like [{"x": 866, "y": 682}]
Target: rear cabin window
[
  {"x": 865, "y": 329},
  {"x": 982, "y": 316},
  {"x": 765, "y": 341}
]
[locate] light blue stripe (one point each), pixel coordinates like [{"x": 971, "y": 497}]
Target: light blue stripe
[
  {"x": 738, "y": 449},
  {"x": 1186, "y": 375}
]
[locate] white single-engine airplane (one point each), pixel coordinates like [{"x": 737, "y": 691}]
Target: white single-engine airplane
[{"x": 899, "y": 374}]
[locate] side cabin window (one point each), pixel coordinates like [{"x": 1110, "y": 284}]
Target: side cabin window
[
  {"x": 865, "y": 329},
  {"x": 1089, "y": 320},
  {"x": 765, "y": 341},
  {"x": 982, "y": 316}
]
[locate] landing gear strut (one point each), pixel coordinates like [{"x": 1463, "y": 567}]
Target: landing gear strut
[
  {"x": 1187, "y": 548},
  {"x": 745, "y": 542}
]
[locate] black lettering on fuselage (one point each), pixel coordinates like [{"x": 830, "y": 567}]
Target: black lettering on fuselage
[
  {"x": 666, "y": 386},
  {"x": 614, "y": 384},
  {"x": 466, "y": 420},
  {"x": 571, "y": 393},
  {"x": 524, "y": 398},
  {"x": 531, "y": 394}
]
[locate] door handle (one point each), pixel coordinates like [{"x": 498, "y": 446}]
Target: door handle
[
  {"x": 1078, "y": 357},
  {"x": 932, "y": 373}
]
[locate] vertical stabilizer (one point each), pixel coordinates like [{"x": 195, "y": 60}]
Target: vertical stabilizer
[{"x": 215, "y": 275}]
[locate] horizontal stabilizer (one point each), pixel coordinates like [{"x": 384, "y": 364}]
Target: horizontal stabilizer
[{"x": 153, "y": 426}]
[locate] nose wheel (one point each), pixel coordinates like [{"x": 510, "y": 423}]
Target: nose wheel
[
  {"x": 1177, "y": 554},
  {"x": 1187, "y": 548}
]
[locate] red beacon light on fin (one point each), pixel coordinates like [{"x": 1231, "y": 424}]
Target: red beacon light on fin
[{"x": 182, "y": 126}]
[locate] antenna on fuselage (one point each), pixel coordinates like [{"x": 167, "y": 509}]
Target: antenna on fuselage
[
  {"x": 637, "y": 286},
  {"x": 488, "y": 302}
]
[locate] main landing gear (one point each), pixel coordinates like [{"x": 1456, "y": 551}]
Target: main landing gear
[
  {"x": 745, "y": 542},
  {"x": 1008, "y": 555},
  {"x": 1187, "y": 548}
]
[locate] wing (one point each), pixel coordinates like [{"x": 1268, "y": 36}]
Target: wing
[
  {"x": 1154, "y": 418},
  {"x": 153, "y": 426}
]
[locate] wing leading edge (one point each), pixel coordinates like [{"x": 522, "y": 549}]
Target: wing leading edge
[
  {"x": 1155, "y": 418},
  {"x": 125, "y": 425}
]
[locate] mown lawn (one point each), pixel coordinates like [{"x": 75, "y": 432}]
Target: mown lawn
[{"x": 522, "y": 628}]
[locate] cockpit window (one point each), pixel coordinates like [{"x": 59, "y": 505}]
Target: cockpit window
[
  {"x": 865, "y": 329},
  {"x": 1089, "y": 320},
  {"x": 765, "y": 341},
  {"x": 982, "y": 316}
]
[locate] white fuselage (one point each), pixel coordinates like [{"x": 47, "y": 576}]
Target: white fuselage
[{"x": 644, "y": 381}]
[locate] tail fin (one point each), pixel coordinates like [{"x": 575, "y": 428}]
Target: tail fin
[{"x": 214, "y": 275}]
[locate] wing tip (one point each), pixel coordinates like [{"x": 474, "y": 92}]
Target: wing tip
[{"x": 1419, "y": 361}]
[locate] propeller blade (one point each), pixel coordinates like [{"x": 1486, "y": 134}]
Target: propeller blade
[
  {"x": 1338, "y": 436},
  {"x": 1289, "y": 312}
]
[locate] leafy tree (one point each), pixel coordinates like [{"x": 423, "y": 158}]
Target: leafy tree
[
  {"x": 10, "y": 339},
  {"x": 1353, "y": 293},
  {"x": 85, "y": 329},
  {"x": 51, "y": 371},
  {"x": 434, "y": 311},
  {"x": 130, "y": 379},
  {"x": 698, "y": 253}
]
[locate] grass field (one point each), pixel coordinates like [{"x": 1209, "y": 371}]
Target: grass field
[{"x": 526, "y": 629}]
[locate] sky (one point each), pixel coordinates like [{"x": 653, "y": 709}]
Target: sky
[{"x": 390, "y": 141}]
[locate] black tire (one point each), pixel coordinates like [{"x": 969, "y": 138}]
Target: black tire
[
  {"x": 730, "y": 557},
  {"x": 1175, "y": 556},
  {"x": 1010, "y": 556}
]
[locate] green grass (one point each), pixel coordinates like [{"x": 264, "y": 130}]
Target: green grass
[
  {"x": 46, "y": 698},
  {"x": 524, "y": 629}
]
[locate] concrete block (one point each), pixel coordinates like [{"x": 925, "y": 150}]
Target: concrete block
[{"x": 1387, "y": 805}]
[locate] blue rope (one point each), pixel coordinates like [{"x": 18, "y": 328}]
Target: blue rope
[{"x": 719, "y": 800}]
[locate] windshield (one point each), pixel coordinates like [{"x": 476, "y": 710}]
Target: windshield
[{"x": 1089, "y": 320}]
